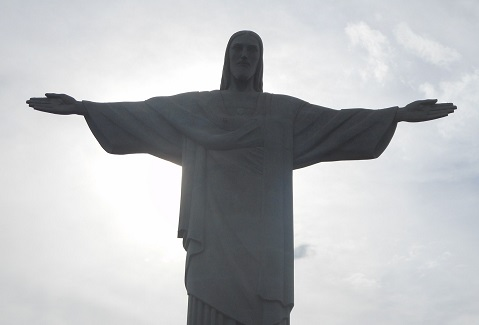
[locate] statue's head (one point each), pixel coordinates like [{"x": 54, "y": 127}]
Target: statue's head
[{"x": 243, "y": 60}]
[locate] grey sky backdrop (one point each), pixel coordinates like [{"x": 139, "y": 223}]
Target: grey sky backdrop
[{"x": 90, "y": 238}]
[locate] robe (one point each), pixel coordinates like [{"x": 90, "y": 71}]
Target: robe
[{"x": 236, "y": 212}]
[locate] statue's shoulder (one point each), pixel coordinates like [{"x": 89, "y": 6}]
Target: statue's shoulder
[
  {"x": 191, "y": 95},
  {"x": 286, "y": 100},
  {"x": 184, "y": 99}
]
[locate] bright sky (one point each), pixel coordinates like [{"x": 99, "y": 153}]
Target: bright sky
[{"x": 90, "y": 238}]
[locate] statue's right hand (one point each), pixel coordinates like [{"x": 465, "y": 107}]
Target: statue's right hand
[{"x": 57, "y": 104}]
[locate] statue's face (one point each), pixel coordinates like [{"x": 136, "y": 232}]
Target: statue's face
[{"x": 244, "y": 55}]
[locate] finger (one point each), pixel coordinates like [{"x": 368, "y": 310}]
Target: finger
[
  {"x": 441, "y": 112},
  {"x": 451, "y": 104},
  {"x": 43, "y": 109},
  {"x": 443, "y": 104},
  {"x": 54, "y": 95},
  {"x": 37, "y": 106},
  {"x": 40, "y": 100},
  {"x": 441, "y": 108},
  {"x": 428, "y": 101},
  {"x": 436, "y": 116}
]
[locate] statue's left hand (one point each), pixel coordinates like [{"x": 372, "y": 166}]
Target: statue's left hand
[
  {"x": 424, "y": 110},
  {"x": 57, "y": 104}
]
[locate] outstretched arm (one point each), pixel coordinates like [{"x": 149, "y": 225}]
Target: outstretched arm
[
  {"x": 424, "y": 110},
  {"x": 57, "y": 104}
]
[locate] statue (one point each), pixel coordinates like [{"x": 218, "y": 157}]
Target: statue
[{"x": 238, "y": 147}]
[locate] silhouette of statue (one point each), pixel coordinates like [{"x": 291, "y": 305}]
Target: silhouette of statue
[{"x": 238, "y": 147}]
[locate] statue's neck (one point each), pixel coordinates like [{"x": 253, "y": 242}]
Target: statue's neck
[{"x": 237, "y": 85}]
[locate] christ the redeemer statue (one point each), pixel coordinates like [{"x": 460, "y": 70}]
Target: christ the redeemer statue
[{"x": 238, "y": 147}]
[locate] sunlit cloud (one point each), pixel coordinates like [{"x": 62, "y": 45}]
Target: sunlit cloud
[
  {"x": 463, "y": 92},
  {"x": 375, "y": 44},
  {"x": 423, "y": 47}
]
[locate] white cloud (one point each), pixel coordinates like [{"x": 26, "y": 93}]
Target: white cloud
[
  {"x": 376, "y": 45},
  {"x": 463, "y": 92},
  {"x": 428, "y": 90},
  {"x": 360, "y": 280},
  {"x": 427, "y": 49}
]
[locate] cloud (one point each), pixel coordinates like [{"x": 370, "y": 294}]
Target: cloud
[
  {"x": 376, "y": 45},
  {"x": 360, "y": 280},
  {"x": 463, "y": 92},
  {"x": 302, "y": 251},
  {"x": 427, "y": 49}
]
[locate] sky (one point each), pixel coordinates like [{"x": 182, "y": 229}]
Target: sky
[{"x": 90, "y": 238}]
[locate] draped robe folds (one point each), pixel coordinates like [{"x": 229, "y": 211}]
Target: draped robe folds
[{"x": 236, "y": 214}]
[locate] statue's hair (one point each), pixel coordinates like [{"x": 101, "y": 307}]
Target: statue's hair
[{"x": 258, "y": 75}]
